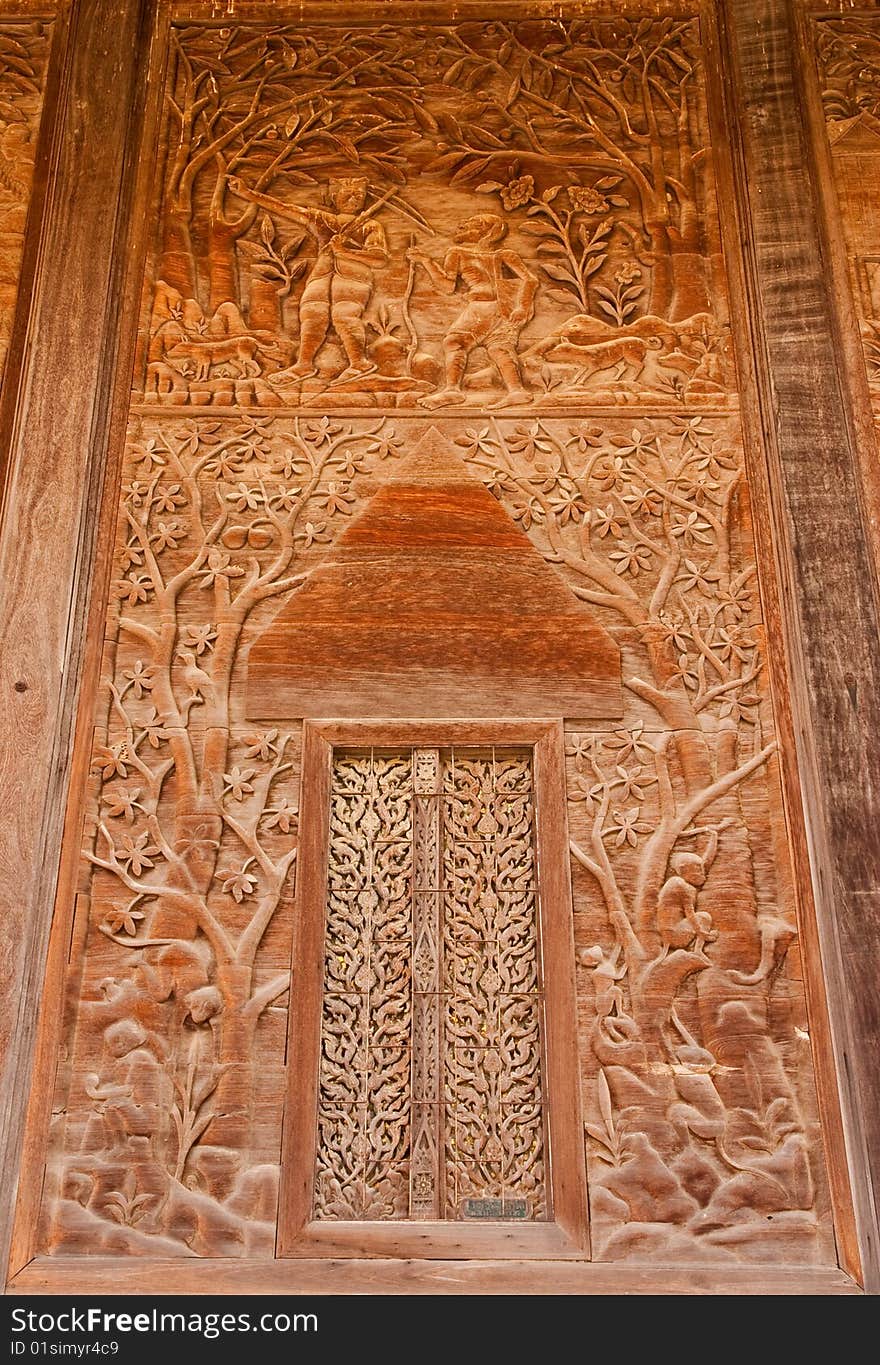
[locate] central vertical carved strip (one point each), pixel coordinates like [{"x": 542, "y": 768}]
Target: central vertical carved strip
[
  {"x": 494, "y": 1003},
  {"x": 427, "y": 1117}
]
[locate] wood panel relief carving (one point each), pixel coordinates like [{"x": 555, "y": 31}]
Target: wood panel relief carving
[
  {"x": 499, "y": 239},
  {"x": 848, "y": 54},
  {"x": 24, "y": 52},
  {"x": 515, "y": 212},
  {"x": 430, "y": 1087}
]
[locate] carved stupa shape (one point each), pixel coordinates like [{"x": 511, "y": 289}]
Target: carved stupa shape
[{"x": 434, "y": 604}]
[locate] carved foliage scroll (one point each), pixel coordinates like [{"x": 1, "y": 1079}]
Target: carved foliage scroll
[{"x": 430, "y": 1089}]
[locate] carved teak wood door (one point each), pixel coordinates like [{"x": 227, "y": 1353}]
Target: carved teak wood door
[{"x": 433, "y": 883}]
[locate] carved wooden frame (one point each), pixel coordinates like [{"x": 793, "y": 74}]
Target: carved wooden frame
[
  {"x": 567, "y": 1235},
  {"x": 829, "y": 852}
]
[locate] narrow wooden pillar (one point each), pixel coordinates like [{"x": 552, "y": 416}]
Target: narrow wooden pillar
[
  {"x": 58, "y": 445},
  {"x": 831, "y": 615}
]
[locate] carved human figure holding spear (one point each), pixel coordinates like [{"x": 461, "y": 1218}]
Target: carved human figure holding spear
[{"x": 351, "y": 244}]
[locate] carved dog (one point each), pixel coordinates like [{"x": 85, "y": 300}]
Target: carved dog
[
  {"x": 240, "y": 350},
  {"x": 626, "y": 353}
]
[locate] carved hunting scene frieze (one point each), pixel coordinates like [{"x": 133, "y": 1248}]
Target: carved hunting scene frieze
[{"x": 513, "y": 213}]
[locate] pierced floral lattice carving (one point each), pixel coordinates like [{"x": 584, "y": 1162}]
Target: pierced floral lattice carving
[{"x": 430, "y": 1086}]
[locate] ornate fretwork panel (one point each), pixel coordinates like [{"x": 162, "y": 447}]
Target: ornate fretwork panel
[{"x": 430, "y": 1094}]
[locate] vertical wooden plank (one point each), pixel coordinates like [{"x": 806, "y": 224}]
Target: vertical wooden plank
[
  {"x": 57, "y": 452},
  {"x": 831, "y": 621},
  {"x": 426, "y": 1064},
  {"x": 569, "y": 1181},
  {"x": 299, "y": 1136}
]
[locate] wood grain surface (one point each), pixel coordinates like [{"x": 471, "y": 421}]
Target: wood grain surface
[
  {"x": 55, "y": 469},
  {"x": 826, "y": 568}
]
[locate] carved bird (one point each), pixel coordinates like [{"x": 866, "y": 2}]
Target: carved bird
[{"x": 196, "y": 679}]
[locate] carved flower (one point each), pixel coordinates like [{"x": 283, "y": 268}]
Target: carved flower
[
  {"x": 312, "y": 533},
  {"x": 123, "y": 803},
  {"x": 261, "y": 744},
  {"x": 132, "y": 556},
  {"x": 517, "y": 192},
  {"x": 226, "y": 464},
  {"x": 386, "y": 444},
  {"x": 150, "y": 453},
  {"x": 288, "y": 463},
  {"x": 737, "y": 599},
  {"x": 123, "y": 921},
  {"x": 168, "y": 534},
  {"x": 567, "y": 505},
  {"x": 283, "y": 816},
  {"x": 136, "y": 588},
  {"x": 238, "y": 783},
  {"x": 139, "y": 679},
  {"x": 678, "y": 634},
  {"x": 626, "y": 273},
  {"x": 286, "y": 500},
  {"x": 219, "y": 566},
  {"x": 111, "y": 759},
  {"x": 170, "y": 498},
  {"x": 527, "y": 513},
  {"x": 626, "y": 827},
  {"x": 639, "y": 444},
  {"x": 581, "y": 748},
  {"x": 338, "y": 498},
  {"x": 692, "y": 430},
  {"x": 734, "y": 643},
  {"x": 612, "y": 473},
  {"x": 631, "y": 785},
  {"x": 136, "y": 854},
  {"x": 586, "y": 200},
  {"x": 238, "y": 882},
  {"x": 499, "y": 481},
  {"x": 644, "y": 502},
  {"x": 154, "y": 729},
  {"x": 690, "y": 530},
  {"x": 714, "y": 461},
  {"x": 475, "y": 442},
  {"x": 626, "y": 742},
  {"x": 702, "y": 577},
  {"x": 631, "y": 559},
  {"x": 350, "y": 463},
  {"x": 605, "y": 521},
  {"x": 320, "y": 432},
  {"x": 531, "y": 442},
  {"x": 245, "y": 498},
  {"x": 699, "y": 489},
  {"x": 136, "y": 493},
  {"x": 199, "y": 638},
  {"x": 252, "y": 439}
]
